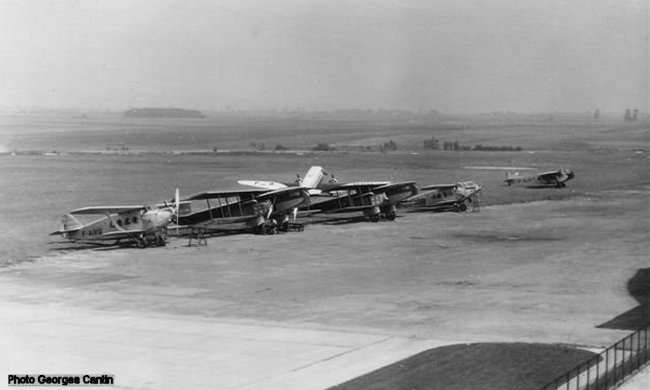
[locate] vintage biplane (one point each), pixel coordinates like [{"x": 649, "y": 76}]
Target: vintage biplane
[
  {"x": 445, "y": 197},
  {"x": 140, "y": 225},
  {"x": 374, "y": 199},
  {"x": 260, "y": 211},
  {"x": 555, "y": 179}
]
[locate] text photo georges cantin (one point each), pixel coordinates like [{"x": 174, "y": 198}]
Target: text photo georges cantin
[{"x": 60, "y": 380}]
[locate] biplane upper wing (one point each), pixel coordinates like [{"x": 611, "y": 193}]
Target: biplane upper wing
[
  {"x": 224, "y": 194},
  {"x": 438, "y": 187},
  {"x": 269, "y": 185},
  {"x": 281, "y": 191},
  {"x": 96, "y": 210},
  {"x": 392, "y": 188},
  {"x": 549, "y": 176},
  {"x": 356, "y": 185}
]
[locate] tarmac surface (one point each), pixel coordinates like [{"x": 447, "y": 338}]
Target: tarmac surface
[{"x": 313, "y": 309}]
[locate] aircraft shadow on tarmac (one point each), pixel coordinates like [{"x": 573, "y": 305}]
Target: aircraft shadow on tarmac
[
  {"x": 75, "y": 246},
  {"x": 639, "y": 317},
  {"x": 344, "y": 220}
]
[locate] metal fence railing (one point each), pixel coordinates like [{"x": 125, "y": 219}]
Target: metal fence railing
[{"x": 609, "y": 368}]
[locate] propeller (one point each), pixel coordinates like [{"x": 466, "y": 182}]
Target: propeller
[
  {"x": 268, "y": 214},
  {"x": 177, "y": 195}
]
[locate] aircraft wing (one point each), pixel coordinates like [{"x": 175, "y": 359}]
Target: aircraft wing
[
  {"x": 389, "y": 185},
  {"x": 96, "y": 210},
  {"x": 224, "y": 194},
  {"x": 122, "y": 233},
  {"x": 269, "y": 185},
  {"x": 438, "y": 187},
  {"x": 350, "y": 186},
  {"x": 268, "y": 194},
  {"x": 548, "y": 175}
]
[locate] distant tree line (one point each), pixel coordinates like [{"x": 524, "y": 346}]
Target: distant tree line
[
  {"x": 388, "y": 146},
  {"x": 631, "y": 115},
  {"x": 149, "y": 112},
  {"x": 434, "y": 144}
]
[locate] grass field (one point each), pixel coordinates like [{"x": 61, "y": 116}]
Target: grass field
[{"x": 523, "y": 269}]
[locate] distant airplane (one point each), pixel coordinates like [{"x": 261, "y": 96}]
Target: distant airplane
[
  {"x": 261, "y": 211},
  {"x": 444, "y": 197},
  {"x": 142, "y": 225},
  {"x": 555, "y": 179}
]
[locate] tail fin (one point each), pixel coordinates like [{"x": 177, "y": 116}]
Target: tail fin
[
  {"x": 71, "y": 223},
  {"x": 313, "y": 177},
  {"x": 68, "y": 225}
]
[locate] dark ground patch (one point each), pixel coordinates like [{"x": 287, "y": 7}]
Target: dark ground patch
[
  {"x": 639, "y": 288},
  {"x": 507, "y": 237},
  {"x": 485, "y": 366}
]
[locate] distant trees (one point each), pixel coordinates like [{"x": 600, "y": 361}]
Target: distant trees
[
  {"x": 434, "y": 144},
  {"x": 257, "y": 146},
  {"x": 390, "y": 145},
  {"x": 323, "y": 147},
  {"x": 631, "y": 116}
]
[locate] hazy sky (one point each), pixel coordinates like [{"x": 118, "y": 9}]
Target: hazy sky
[{"x": 453, "y": 56}]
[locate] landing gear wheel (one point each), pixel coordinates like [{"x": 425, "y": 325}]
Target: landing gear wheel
[
  {"x": 391, "y": 216},
  {"x": 374, "y": 218}
]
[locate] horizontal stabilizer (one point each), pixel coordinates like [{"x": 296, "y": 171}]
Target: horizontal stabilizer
[{"x": 62, "y": 232}]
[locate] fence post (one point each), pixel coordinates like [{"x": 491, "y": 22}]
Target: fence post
[
  {"x": 606, "y": 367},
  {"x": 638, "y": 349},
  {"x": 623, "y": 359},
  {"x": 597, "y": 372}
]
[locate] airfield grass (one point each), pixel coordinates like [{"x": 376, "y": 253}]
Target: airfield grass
[
  {"x": 483, "y": 366},
  {"x": 38, "y": 189}
]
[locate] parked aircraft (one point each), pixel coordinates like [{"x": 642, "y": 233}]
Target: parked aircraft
[
  {"x": 374, "y": 199},
  {"x": 261, "y": 211},
  {"x": 142, "y": 225},
  {"x": 547, "y": 179},
  {"x": 444, "y": 197}
]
